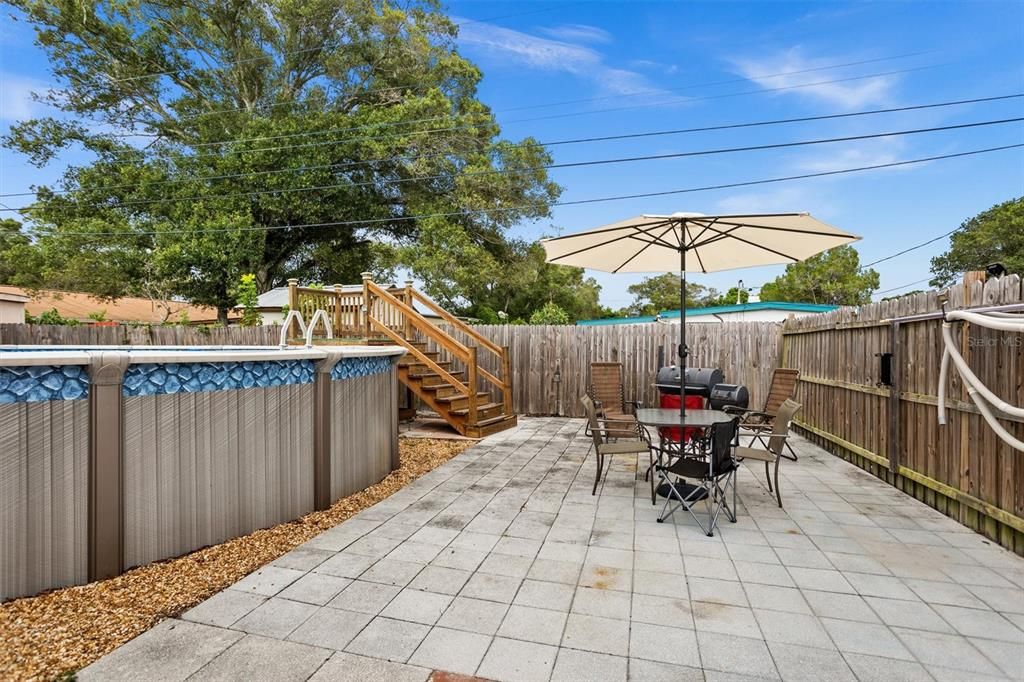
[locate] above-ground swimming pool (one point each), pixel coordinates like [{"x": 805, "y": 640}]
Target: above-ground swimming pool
[{"x": 115, "y": 456}]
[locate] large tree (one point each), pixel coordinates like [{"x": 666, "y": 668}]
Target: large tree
[
  {"x": 233, "y": 136},
  {"x": 495, "y": 279},
  {"x": 653, "y": 295},
  {"x": 993, "y": 236},
  {"x": 833, "y": 276}
]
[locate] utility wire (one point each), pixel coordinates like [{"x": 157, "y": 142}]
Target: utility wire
[
  {"x": 886, "y": 291},
  {"x": 552, "y": 143},
  {"x": 274, "y": 105},
  {"x": 577, "y": 202},
  {"x": 470, "y": 126},
  {"x": 643, "y": 93},
  {"x": 572, "y": 164},
  {"x": 912, "y": 248},
  {"x": 158, "y": 74}
]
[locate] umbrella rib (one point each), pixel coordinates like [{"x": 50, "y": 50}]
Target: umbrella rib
[
  {"x": 595, "y": 246},
  {"x": 728, "y": 235},
  {"x": 656, "y": 223},
  {"x": 634, "y": 235},
  {"x": 786, "y": 229},
  {"x": 649, "y": 244}
]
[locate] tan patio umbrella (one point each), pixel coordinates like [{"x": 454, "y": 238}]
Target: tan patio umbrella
[{"x": 694, "y": 242}]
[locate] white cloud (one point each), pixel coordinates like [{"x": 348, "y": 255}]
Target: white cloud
[
  {"x": 796, "y": 67},
  {"x": 578, "y": 33},
  {"x": 16, "y": 101},
  {"x": 864, "y": 153},
  {"x": 554, "y": 55},
  {"x": 780, "y": 199}
]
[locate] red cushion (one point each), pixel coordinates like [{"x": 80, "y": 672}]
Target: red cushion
[{"x": 672, "y": 433}]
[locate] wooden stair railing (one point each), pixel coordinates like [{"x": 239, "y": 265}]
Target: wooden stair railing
[
  {"x": 500, "y": 352},
  {"x": 396, "y": 307}
]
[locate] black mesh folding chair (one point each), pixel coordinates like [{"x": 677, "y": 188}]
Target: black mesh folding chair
[{"x": 716, "y": 474}]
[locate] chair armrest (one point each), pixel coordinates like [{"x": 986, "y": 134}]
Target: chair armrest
[
  {"x": 637, "y": 404},
  {"x": 735, "y": 409}
]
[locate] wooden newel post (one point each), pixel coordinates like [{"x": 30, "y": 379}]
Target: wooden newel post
[
  {"x": 293, "y": 304},
  {"x": 471, "y": 380},
  {"x": 408, "y": 299},
  {"x": 367, "y": 280},
  {"x": 506, "y": 377}
]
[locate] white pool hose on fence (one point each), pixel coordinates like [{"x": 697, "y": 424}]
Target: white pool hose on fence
[{"x": 980, "y": 394}]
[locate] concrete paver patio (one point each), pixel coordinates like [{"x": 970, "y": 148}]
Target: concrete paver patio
[{"x": 500, "y": 564}]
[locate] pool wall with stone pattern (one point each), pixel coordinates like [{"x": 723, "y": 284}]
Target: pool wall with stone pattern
[{"x": 114, "y": 457}]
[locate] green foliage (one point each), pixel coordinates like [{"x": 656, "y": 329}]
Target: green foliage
[
  {"x": 228, "y": 132},
  {"x": 731, "y": 297},
  {"x": 183, "y": 320},
  {"x": 247, "y": 295},
  {"x": 833, "y": 276},
  {"x": 653, "y": 295},
  {"x": 497, "y": 277},
  {"x": 993, "y": 236},
  {"x": 98, "y": 315},
  {"x": 51, "y": 316},
  {"x": 549, "y": 313}
]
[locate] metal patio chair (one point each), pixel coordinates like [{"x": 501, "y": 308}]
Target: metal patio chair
[
  {"x": 606, "y": 390},
  {"x": 716, "y": 473},
  {"x": 772, "y": 453},
  {"x": 760, "y": 422},
  {"x": 600, "y": 431}
]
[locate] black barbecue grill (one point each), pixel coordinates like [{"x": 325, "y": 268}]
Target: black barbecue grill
[
  {"x": 707, "y": 382},
  {"x": 699, "y": 380}
]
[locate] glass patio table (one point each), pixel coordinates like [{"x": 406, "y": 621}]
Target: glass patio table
[{"x": 662, "y": 417}]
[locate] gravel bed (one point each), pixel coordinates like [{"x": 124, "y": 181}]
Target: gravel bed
[{"x": 55, "y": 633}]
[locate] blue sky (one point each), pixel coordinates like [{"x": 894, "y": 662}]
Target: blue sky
[{"x": 556, "y": 71}]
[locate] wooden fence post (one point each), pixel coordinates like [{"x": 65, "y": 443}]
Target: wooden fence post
[{"x": 106, "y": 465}]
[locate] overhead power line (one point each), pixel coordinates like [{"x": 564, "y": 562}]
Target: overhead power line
[
  {"x": 577, "y": 202},
  {"x": 644, "y": 93},
  {"x": 264, "y": 57},
  {"x": 572, "y": 164},
  {"x": 886, "y": 291},
  {"x": 471, "y": 126},
  {"x": 912, "y": 248},
  {"x": 552, "y": 143}
]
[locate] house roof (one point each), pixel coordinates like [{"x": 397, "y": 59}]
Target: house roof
[
  {"x": 786, "y": 306},
  {"x": 277, "y": 298},
  {"x": 77, "y": 306}
]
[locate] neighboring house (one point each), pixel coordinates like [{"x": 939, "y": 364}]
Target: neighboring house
[
  {"x": 754, "y": 311},
  {"x": 15, "y": 302},
  {"x": 269, "y": 304},
  {"x": 12, "y": 305}
]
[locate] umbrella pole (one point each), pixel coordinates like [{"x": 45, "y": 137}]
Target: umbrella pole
[{"x": 682, "y": 332}]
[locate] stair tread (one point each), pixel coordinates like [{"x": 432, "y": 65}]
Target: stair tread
[
  {"x": 431, "y": 375},
  {"x": 460, "y": 396},
  {"x": 463, "y": 411},
  {"x": 494, "y": 420}
]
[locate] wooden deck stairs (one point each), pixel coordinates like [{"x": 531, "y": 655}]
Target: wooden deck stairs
[{"x": 451, "y": 368}]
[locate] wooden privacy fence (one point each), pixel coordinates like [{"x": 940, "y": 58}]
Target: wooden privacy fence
[
  {"x": 550, "y": 364},
  {"x": 962, "y": 469},
  {"x": 137, "y": 335}
]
